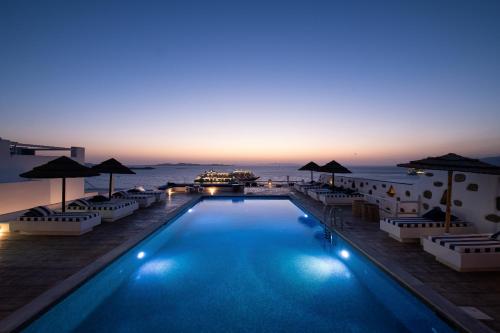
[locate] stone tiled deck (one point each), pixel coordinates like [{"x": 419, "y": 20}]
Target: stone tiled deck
[
  {"x": 30, "y": 265},
  {"x": 477, "y": 289}
]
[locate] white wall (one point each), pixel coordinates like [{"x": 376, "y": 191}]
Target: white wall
[
  {"x": 18, "y": 193},
  {"x": 24, "y": 195},
  {"x": 475, "y": 205}
]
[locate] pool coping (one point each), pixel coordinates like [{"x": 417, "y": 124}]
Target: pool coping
[
  {"x": 22, "y": 317},
  {"x": 450, "y": 312}
]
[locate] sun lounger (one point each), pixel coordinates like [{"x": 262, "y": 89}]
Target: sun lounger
[
  {"x": 303, "y": 187},
  {"x": 144, "y": 200},
  {"x": 411, "y": 229},
  {"x": 474, "y": 252},
  {"x": 316, "y": 192},
  {"x": 339, "y": 198},
  {"x": 158, "y": 194},
  {"x": 110, "y": 211},
  {"x": 44, "y": 221}
]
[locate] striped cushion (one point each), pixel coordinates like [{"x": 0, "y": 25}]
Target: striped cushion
[
  {"x": 59, "y": 217},
  {"x": 104, "y": 206},
  {"x": 39, "y": 211},
  {"x": 120, "y": 194},
  {"x": 419, "y": 222},
  {"x": 478, "y": 243},
  {"x": 343, "y": 195},
  {"x": 80, "y": 203}
]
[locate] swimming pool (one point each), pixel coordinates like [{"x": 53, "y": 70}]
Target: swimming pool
[{"x": 241, "y": 265}]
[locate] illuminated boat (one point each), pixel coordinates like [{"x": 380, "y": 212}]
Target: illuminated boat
[
  {"x": 217, "y": 177},
  {"x": 415, "y": 172}
]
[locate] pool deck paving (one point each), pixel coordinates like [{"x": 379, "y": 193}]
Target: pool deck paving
[{"x": 39, "y": 270}]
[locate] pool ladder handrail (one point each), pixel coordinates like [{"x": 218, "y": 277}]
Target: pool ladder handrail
[{"x": 333, "y": 214}]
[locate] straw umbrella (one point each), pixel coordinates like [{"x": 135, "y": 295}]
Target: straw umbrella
[
  {"x": 112, "y": 166},
  {"x": 452, "y": 162},
  {"x": 334, "y": 167},
  {"x": 62, "y": 167},
  {"x": 311, "y": 166}
]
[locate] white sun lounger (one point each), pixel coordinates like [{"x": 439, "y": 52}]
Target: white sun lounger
[
  {"x": 110, "y": 210},
  {"x": 316, "y": 192},
  {"x": 338, "y": 198},
  {"x": 144, "y": 200},
  {"x": 158, "y": 194},
  {"x": 411, "y": 229},
  {"x": 473, "y": 252},
  {"x": 306, "y": 186},
  {"x": 49, "y": 222}
]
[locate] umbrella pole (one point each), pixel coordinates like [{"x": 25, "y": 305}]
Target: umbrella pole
[
  {"x": 312, "y": 179},
  {"x": 110, "y": 185},
  {"x": 333, "y": 181},
  {"x": 447, "y": 221},
  {"x": 63, "y": 195}
]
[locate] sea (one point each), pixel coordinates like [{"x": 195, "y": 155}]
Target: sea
[{"x": 160, "y": 175}]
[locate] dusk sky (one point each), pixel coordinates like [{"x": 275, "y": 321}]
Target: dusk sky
[{"x": 252, "y": 81}]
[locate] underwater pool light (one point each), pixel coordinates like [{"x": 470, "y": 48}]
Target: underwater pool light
[
  {"x": 141, "y": 255},
  {"x": 306, "y": 216},
  {"x": 344, "y": 254},
  {"x": 190, "y": 210}
]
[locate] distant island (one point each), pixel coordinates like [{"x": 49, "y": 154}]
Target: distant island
[
  {"x": 495, "y": 160},
  {"x": 141, "y": 167},
  {"x": 193, "y": 164}
]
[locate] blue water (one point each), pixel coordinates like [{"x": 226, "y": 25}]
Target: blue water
[
  {"x": 186, "y": 174},
  {"x": 234, "y": 265}
]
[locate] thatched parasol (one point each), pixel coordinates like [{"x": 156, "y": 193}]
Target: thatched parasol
[
  {"x": 112, "y": 166},
  {"x": 334, "y": 167},
  {"x": 62, "y": 167},
  {"x": 452, "y": 162},
  {"x": 311, "y": 166}
]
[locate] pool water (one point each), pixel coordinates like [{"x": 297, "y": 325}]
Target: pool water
[{"x": 241, "y": 265}]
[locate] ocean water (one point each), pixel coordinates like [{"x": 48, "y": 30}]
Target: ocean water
[
  {"x": 186, "y": 174},
  {"x": 242, "y": 265}
]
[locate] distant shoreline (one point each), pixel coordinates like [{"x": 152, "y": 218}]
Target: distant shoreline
[{"x": 192, "y": 164}]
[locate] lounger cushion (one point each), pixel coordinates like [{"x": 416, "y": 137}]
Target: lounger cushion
[
  {"x": 104, "y": 206},
  {"x": 38, "y": 212},
  {"x": 99, "y": 198},
  {"x": 120, "y": 194},
  {"x": 478, "y": 243},
  {"x": 419, "y": 222},
  {"x": 60, "y": 217},
  {"x": 496, "y": 236},
  {"x": 79, "y": 203},
  {"x": 437, "y": 215}
]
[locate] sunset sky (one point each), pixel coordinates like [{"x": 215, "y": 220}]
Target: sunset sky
[{"x": 252, "y": 81}]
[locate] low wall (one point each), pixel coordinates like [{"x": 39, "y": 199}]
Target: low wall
[{"x": 475, "y": 197}]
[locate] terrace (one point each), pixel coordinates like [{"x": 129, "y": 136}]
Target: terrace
[{"x": 34, "y": 265}]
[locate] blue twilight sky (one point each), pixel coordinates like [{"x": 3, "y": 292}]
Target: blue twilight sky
[{"x": 364, "y": 82}]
